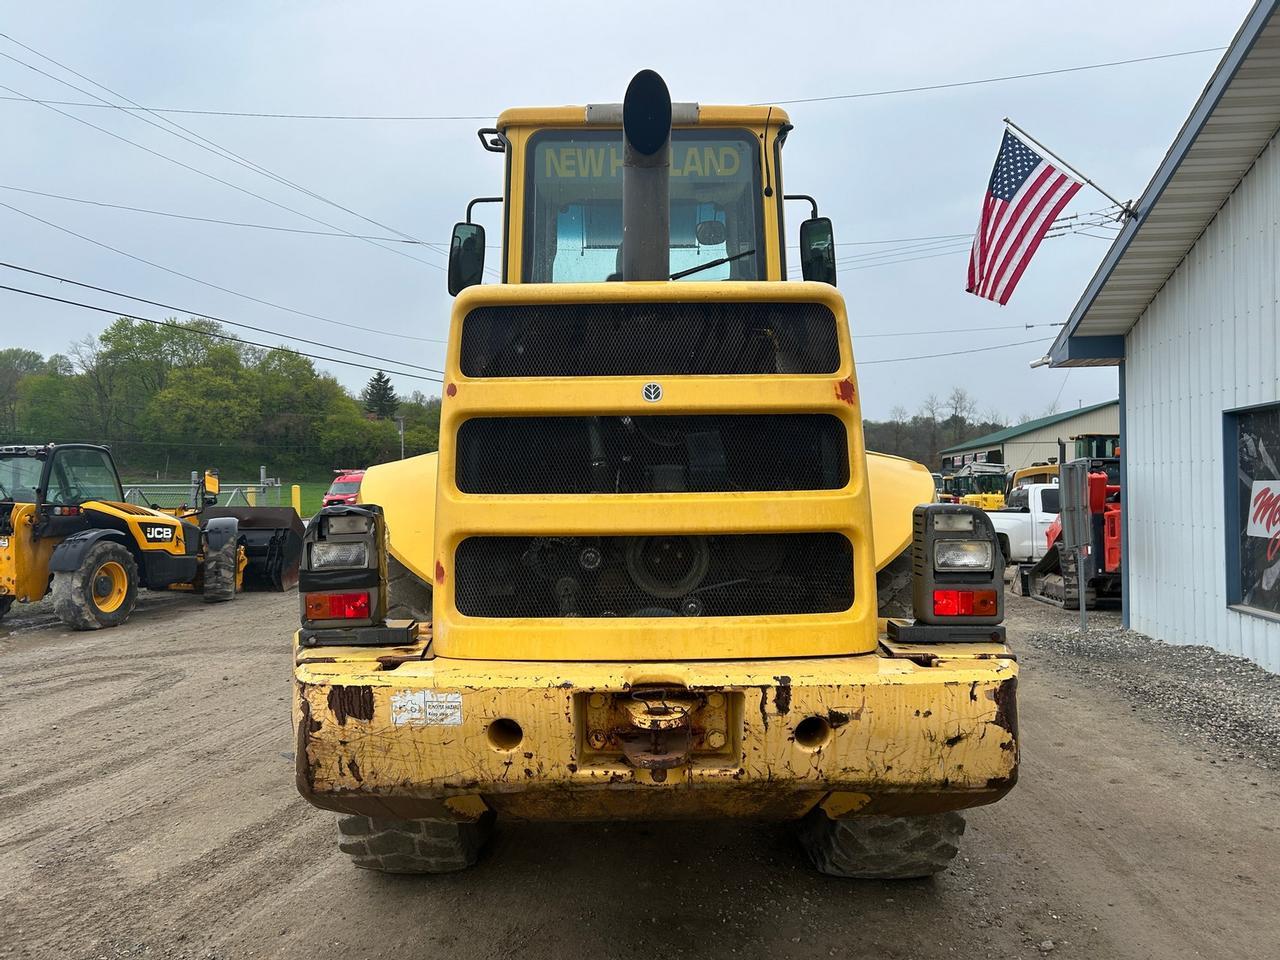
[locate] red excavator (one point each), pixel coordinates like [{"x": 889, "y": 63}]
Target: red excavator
[{"x": 1053, "y": 578}]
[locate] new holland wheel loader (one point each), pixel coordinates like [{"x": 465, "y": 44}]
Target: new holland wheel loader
[
  {"x": 639, "y": 579},
  {"x": 66, "y": 530}
]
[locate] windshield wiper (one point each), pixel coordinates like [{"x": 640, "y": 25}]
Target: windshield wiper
[{"x": 712, "y": 263}]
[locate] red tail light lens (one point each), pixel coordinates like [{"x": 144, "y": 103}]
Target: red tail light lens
[
  {"x": 337, "y": 606},
  {"x": 964, "y": 603}
]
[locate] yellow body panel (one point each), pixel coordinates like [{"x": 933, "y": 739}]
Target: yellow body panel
[
  {"x": 24, "y": 560},
  {"x": 984, "y": 501},
  {"x": 406, "y": 491},
  {"x": 845, "y": 511},
  {"x": 897, "y": 486},
  {"x": 903, "y": 738}
]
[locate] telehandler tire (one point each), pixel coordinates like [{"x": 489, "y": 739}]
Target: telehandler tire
[
  {"x": 893, "y": 587},
  {"x": 101, "y": 593},
  {"x": 408, "y": 597},
  {"x": 220, "y": 573},
  {"x": 412, "y": 846},
  {"x": 882, "y": 848}
]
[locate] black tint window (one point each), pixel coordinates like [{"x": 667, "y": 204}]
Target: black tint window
[{"x": 1049, "y": 500}]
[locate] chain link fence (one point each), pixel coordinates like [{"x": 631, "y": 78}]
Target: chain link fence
[{"x": 265, "y": 492}]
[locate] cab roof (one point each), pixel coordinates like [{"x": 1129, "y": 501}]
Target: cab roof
[{"x": 708, "y": 115}]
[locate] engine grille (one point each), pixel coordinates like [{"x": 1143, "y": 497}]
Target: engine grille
[
  {"x": 656, "y": 575},
  {"x": 652, "y": 454},
  {"x": 649, "y": 339}
]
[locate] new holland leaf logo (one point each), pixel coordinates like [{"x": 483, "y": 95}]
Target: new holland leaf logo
[{"x": 653, "y": 392}]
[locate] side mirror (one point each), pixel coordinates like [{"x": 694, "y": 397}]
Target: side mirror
[
  {"x": 818, "y": 250},
  {"x": 466, "y": 257}
]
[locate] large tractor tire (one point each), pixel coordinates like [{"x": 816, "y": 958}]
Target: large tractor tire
[
  {"x": 882, "y": 848},
  {"x": 101, "y": 593},
  {"x": 412, "y": 846},
  {"x": 220, "y": 573},
  {"x": 893, "y": 587},
  {"x": 5, "y": 604},
  {"x": 408, "y": 596}
]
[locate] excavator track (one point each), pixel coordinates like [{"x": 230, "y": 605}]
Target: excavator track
[{"x": 1053, "y": 580}]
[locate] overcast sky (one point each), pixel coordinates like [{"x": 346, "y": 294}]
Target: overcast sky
[{"x": 905, "y": 166}]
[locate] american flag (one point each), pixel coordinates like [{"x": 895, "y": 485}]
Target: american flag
[{"x": 1025, "y": 195}]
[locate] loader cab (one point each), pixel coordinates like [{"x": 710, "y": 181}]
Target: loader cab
[{"x": 562, "y": 212}]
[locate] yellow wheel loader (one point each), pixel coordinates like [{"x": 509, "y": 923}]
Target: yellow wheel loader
[
  {"x": 66, "y": 531},
  {"x": 652, "y": 573}
]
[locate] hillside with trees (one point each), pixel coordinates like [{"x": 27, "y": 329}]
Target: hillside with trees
[
  {"x": 938, "y": 423},
  {"x": 172, "y": 399}
]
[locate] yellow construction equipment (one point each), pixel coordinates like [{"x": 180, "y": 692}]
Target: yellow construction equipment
[
  {"x": 66, "y": 530},
  {"x": 646, "y": 576}
]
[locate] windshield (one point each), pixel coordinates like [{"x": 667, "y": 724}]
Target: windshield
[
  {"x": 82, "y": 474},
  {"x": 19, "y": 477},
  {"x": 573, "y": 221},
  {"x": 345, "y": 486}
]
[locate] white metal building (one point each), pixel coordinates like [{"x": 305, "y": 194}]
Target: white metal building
[
  {"x": 1185, "y": 302},
  {"x": 1036, "y": 441}
]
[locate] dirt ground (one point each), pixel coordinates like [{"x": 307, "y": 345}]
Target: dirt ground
[{"x": 147, "y": 809}]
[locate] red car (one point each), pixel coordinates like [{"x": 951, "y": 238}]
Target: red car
[{"x": 344, "y": 488}]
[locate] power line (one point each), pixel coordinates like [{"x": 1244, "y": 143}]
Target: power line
[
  {"x": 229, "y": 223},
  {"x": 490, "y": 115},
  {"x": 209, "y": 316},
  {"x": 215, "y": 286},
  {"x": 212, "y": 147},
  {"x": 925, "y": 333},
  {"x": 951, "y": 353},
  {"x": 208, "y": 333},
  {"x": 216, "y": 179},
  {"x": 1015, "y": 76}
]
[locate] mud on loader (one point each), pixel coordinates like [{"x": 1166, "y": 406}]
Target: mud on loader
[
  {"x": 66, "y": 530},
  {"x": 639, "y": 579}
]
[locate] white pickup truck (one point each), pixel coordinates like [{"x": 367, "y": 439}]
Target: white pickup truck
[{"x": 1022, "y": 524}]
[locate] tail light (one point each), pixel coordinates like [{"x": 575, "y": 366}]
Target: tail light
[
  {"x": 958, "y": 577},
  {"x": 342, "y": 582}
]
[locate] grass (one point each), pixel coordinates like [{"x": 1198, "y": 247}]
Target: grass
[{"x": 311, "y": 492}]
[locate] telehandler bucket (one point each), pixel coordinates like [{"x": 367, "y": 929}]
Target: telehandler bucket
[{"x": 272, "y": 539}]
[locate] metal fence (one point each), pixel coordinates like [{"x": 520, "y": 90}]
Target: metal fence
[{"x": 265, "y": 492}]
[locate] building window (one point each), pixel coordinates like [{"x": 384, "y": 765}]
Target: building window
[{"x": 1252, "y": 440}]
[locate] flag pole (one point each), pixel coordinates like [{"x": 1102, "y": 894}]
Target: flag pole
[{"x": 1125, "y": 208}]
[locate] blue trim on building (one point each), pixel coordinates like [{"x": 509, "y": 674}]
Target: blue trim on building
[
  {"x": 1088, "y": 348},
  {"x": 1124, "y": 503}
]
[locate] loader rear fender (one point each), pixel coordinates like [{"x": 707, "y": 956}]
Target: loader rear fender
[{"x": 70, "y": 553}]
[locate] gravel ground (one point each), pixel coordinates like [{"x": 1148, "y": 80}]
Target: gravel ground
[{"x": 1228, "y": 702}]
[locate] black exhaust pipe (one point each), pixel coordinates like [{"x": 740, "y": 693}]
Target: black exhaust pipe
[{"x": 646, "y": 175}]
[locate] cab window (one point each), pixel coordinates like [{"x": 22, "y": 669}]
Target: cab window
[
  {"x": 573, "y": 215},
  {"x": 80, "y": 475}
]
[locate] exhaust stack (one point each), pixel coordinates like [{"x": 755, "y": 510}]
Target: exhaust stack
[{"x": 646, "y": 173}]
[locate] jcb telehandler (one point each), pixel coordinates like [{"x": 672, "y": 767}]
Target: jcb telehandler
[
  {"x": 66, "y": 530},
  {"x": 639, "y": 580}
]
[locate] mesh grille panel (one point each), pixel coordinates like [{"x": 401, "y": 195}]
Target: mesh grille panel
[
  {"x": 649, "y": 339},
  {"x": 525, "y": 455},
  {"x": 648, "y": 576}
]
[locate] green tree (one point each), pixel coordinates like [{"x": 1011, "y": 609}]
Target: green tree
[
  {"x": 379, "y": 396},
  {"x": 15, "y": 363}
]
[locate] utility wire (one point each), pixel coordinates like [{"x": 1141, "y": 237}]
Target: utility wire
[
  {"x": 491, "y": 115},
  {"x": 186, "y": 135},
  {"x": 949, "y": 353},
  {"x": 1015, "y": 76},
  {"x": 210, "y": 316},
  {"x": 215, "y": 286},
  {"x": 925, "y": 333},
  {"x": 229, "y": 223},
  {"x": 216, "y": 179},
  {"x": 208, "y": 333}
]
